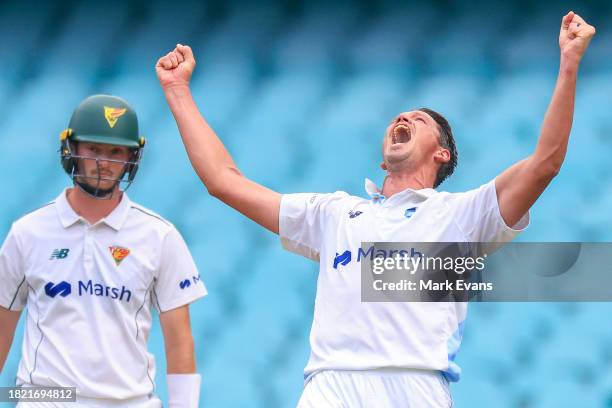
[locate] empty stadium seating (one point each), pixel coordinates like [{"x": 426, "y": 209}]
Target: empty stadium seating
[{"x": 301, "y": 93}]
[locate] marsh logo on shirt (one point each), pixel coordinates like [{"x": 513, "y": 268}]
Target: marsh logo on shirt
[
  {"x": 342, "y": 259},
  {"x": 89, "y": 287},
  {"x": 353, "y": 214},
  {"x": 345, "y": 257},
  {"x": 185, "y": 283},
  {"x": 98, "y": 289},
  {"x": 63, "y": 289}
]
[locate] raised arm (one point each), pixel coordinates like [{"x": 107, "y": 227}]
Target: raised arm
[
  {"x": 520, "y": 186},
  {"x": 210, "y": 159}
]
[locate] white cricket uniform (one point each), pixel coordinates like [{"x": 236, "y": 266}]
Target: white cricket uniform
[
  {"x": 348, "y": 334},
  {"x": 89, "y": 291}
]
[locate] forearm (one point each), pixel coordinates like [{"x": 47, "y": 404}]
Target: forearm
[
  {"x": 209, "y": 157},
  {"x": 180, "y": 357},
  {"x": 182, "y": 379},
  {"x": 552, "y": 144},
  {"x": 8, "y": 324},
  {"x": 6, "y": 340}
]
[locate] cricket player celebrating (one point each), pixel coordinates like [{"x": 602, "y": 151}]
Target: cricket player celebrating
[
  {"x": 90, "y": 265},
  {"x": 384, "y": 354}
]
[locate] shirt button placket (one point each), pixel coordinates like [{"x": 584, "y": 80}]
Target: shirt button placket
[{"x": 88, "y": 248}]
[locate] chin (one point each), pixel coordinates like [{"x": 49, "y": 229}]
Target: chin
[
  {"x": 106, "y": 186},
  {"x": 396, "y": 157},
  {"x": 101, "y": 186}
]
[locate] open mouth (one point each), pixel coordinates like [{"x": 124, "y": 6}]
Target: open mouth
[{"x": 401, "y": 134}]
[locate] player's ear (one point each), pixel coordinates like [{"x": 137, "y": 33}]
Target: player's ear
[
  {"x": 383, "y": 166},
  {"x": 442, "y": 155}
]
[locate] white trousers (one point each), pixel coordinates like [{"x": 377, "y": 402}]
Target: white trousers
[{"x": 381, "y": 388}]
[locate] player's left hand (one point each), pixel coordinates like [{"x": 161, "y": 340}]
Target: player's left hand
[{"x": 575, "y": 36}]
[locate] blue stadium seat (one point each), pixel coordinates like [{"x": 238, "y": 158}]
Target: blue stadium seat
[{"x": 301, "y": 94}]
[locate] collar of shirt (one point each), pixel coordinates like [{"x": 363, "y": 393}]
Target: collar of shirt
[
  {"x": 69, "y": 217},
  {"x": 377, "y": 197}
]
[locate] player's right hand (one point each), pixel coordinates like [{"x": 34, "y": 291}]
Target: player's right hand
[{"x": 176, "y": 67}]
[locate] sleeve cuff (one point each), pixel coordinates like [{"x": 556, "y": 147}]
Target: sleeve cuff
[
  {"x": 287, "y": 208},
  {"x": 182, "y": 301},
  {"x": 518, "y": 227}
]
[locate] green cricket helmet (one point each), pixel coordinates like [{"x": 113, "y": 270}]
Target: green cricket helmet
[{"x": 102, "y": 119}]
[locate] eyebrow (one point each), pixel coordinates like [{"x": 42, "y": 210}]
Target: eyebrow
[
  {"x": 428, "y": 119},
  {"x": 415, "y": 113}
]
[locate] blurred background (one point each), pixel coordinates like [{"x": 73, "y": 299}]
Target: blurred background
[{"x": 301, "y": 92}]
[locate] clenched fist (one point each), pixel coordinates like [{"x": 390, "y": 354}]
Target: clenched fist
[
  {"x": 575, "y": 36},
  {"x": 176, "y": 67}
]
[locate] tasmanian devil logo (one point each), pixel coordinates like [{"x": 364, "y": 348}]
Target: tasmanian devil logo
[
  {"x": 119, "y": 253},
  {"x": 112, "y": 114}
]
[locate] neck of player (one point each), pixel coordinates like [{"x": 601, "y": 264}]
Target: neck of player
[
  {"x": 90, "y": 208},
  {"x": 398, "y": 181}
]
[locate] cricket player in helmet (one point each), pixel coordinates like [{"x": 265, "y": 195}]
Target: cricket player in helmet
[
  {"x": 90, "y": 266},
  {"x": 89, "y": 126}
]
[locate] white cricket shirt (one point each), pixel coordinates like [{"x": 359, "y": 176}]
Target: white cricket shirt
[
  {"x": 89, "y": 290},
  {"x": 348, "y": 334}
]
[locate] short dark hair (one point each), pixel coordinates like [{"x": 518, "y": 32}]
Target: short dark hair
[{"x": 447, "y": 141}]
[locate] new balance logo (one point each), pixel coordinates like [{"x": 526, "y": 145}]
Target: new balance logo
[
  {"x": 185, "y": 284},
  {"x": 59, "y": 253},
  {"x": 353, "y": 214},
  {"x": 63, "y": 289},
  {"x": 343, "y": 259}
]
